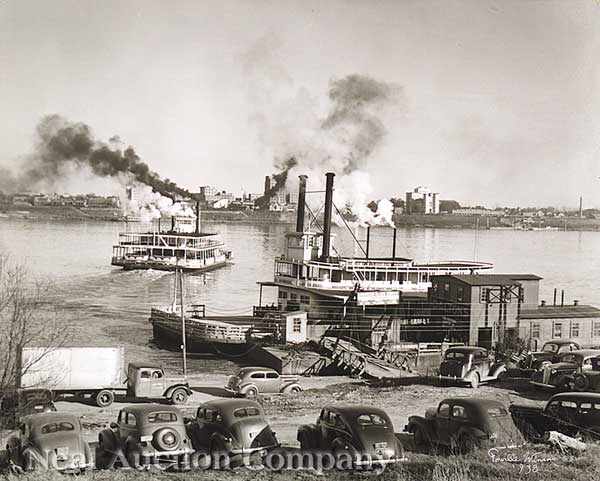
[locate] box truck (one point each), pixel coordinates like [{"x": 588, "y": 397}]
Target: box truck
[{"x": 98, "y": 373}]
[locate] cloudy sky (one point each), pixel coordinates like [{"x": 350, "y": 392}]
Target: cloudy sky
[{"x": 500, "y": 99}]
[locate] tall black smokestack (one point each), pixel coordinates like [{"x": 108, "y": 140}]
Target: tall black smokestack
[
  {"x": 327, "y": 216},
  {"x": 301, "y": 199},
  {"x": 368, "y": 240},
  {"x": 197, "y": 217},
  {"x": 394, "y": 244},
  {"x": 267, "y": 184}
]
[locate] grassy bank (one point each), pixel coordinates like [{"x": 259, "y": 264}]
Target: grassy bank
[{"x": 537, "y": 463}]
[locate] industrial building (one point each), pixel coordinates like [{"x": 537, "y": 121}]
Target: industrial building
[
  {"x": 422, "y": 201},
  {"x": 482, "y": 309}
]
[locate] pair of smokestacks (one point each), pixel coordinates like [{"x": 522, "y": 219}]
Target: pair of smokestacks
[
  {"x": 327, "y": 215},
  {"x": 325, "y": 251}
]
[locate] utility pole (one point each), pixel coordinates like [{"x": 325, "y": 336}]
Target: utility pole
[{"x": 179, "y": 273}]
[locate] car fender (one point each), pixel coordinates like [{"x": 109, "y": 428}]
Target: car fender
[
  {"x": 244, "y": 387},
  {"x": 473, "y": 370},
  {"x": 414, "y": 421},
  {"x": 221, "y": 439},
  {"x": 309, "y": 431},
  {"x": 497, "y": 369},
  {"x": 108, "y": 438},
  {"x": 288, "y": 387},
  {"x": 473, "y": 431},
  {"x": 172, "y": 388}
]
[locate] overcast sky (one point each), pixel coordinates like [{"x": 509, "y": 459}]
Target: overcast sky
[{"x": 500, "y": 98}]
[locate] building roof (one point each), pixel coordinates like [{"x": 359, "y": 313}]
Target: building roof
[
  {"x": 560, "y": 312},
  {"x": 490, "y": 279}
]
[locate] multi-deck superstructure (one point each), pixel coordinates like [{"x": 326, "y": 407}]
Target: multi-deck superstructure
[
  {"x": 308, "y": 270},
  {"x": 183, "y": 246}
]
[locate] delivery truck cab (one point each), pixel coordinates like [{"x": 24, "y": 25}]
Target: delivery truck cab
[{"x": 150, "y": 382}]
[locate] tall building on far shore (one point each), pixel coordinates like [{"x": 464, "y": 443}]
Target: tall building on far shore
[{"x": 422, "y": 201}]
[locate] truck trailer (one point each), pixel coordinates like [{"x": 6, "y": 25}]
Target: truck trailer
[{"x": 98, "y": 373}]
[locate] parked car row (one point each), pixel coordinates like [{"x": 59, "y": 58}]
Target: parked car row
[
  {"x": 230, "y": 428},
  {"x": 561, "y": 365}
]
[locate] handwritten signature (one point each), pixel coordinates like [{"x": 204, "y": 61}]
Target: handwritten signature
[{"x": 526, "y": 463}]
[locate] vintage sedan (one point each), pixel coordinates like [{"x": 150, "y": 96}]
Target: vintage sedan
[
  {"x": 50, "y": 441},
  {"x": 561, "y": 375},
  {"x": 570, "y": 413},
  {"x": 588, "y": 380},
  {"x": 144, "y": 434},
  {"x": 364, "y": 432},
  {"x": 231, "y": 427},
  {"x": 465, "y": 424},
  {"x": 469, "y": 364},
  {"x": 252, "y": 381}
]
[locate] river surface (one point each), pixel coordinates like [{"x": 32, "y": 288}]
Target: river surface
[{"x": 106, "y": 306}]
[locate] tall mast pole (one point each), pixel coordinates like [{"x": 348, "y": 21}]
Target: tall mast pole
[{"x": 183, "y": 337}]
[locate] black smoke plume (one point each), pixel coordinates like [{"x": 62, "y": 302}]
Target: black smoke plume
[
  {"x": 279, "y": 182},
  {"x": 61, "y": 143}
]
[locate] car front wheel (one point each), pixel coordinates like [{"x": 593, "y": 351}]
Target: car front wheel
[
  {"x": 251, "y": 393},
  {"x": 473, "y": 380}
]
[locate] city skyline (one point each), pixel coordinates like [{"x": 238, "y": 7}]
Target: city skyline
[{"x": 496, "y": 98}]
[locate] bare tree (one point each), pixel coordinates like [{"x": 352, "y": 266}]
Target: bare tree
[{"x": 27, "y": 319}]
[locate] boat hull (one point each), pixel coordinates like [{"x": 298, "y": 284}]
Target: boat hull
[
  {"x": 170, "y": 338},
  {"x": 130, "y": 265}
]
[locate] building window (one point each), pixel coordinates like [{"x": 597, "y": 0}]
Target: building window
[
  {"x": 282, "y": 294},
  {"x": 483, "y": 294},
  {"x": 574, "y": 329},
  {"x": 293, "y": 297},
  {"x": 557, "y": 330},
  {"x": 304, "y": 299},
  {"x": 297, "y": 325},
  {"x": 596, "y": 329},
  {"x": 535, "y": 330}
]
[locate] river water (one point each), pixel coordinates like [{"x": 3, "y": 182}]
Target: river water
[{"x": 106, "y": 306}]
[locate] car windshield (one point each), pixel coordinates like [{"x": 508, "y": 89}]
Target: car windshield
[
  {"x": 455, "y": 355},
  {"x": 246, "y": 412},
  {"x": 56, "y": 427},
  {"x": 371, "y": 419},
  {"x": 165, "y": 417},
  {"x": 574, "y": 358},
  {"x": 550, "y": 347}
]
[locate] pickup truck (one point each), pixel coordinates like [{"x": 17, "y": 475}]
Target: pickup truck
[{"x": 252, "y": 381}]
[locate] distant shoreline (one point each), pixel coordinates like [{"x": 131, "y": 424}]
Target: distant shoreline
[{"x": 417, "y": 221}]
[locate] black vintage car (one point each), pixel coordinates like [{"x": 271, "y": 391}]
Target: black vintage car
[
  {"x": 144, "y": 434},
  {"x": 50, "y": 441},
  {"x": 15, "y": 404},
  {"x": 231, "y": 427},
  {"x": 533, "y": 361},
  {"x": 571, "y": 413},
  {"x": 363, "y": 432},
  {"x": 464, "y": 424},
  {"x": 560, "y": 375},
  {"x": 472, "y": 365}
]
